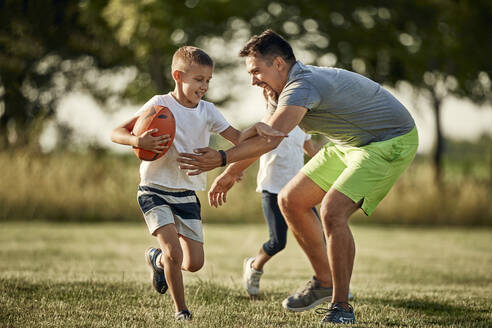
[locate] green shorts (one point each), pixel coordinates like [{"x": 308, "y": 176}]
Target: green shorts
[{"x": 363, "y": 173}]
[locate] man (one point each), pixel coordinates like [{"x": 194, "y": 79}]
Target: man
[{"x": 373, "y": 140}]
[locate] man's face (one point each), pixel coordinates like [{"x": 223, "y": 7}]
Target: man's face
[{"x": 265, "y": 74}]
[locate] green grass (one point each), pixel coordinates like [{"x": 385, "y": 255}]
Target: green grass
[{"x": 94, "y": 275}]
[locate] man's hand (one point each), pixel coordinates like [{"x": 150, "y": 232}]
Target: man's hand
[
  {"x": 204, "y": 159},
  {"x": 262, "y": 129},
  {"x": 217, "y": 195}
]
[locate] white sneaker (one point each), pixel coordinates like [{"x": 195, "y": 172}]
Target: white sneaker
[{"x": 251, "y": 277}]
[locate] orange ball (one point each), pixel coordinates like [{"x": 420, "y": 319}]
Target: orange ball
[{"x": 155, "y": 117}]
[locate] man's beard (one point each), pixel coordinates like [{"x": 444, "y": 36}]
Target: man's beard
[{"x": 269, "y": 93}]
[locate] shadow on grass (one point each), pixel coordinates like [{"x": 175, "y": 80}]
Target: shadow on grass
[
  {"x": 99, "y": 303},
  {"x": 442, "y": 313}
]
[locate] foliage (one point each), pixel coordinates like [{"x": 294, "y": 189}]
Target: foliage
[
  {"x": 94, "y": 275},
  {"x": 46, "y": 47},
  {"x": 98, "y": 186},
  {"x": 49, "y": 47}
]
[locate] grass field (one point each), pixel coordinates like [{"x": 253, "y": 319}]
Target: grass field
[{"x": 94, "y": 275}]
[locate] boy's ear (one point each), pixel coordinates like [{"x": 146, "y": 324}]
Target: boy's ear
[{"x": 177, "y": 75}]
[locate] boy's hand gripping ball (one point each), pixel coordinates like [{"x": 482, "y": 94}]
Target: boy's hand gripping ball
[{"x": 155, "y": 117}]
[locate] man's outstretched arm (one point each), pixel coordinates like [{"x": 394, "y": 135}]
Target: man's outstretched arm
[{"x": 205, "y": 159}]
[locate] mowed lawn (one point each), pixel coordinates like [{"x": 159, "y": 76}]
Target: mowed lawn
[{"x": 94, "y": 275}]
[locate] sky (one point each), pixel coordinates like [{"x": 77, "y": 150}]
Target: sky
[{"x": 461, "y": 119}]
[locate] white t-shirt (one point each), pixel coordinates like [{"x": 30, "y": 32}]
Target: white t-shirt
[
  {"x": 193, "y": 128},
  {"x": 280, "y": 165}
]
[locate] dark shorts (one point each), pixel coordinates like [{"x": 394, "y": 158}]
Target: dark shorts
[{"x": 277, "y": 227}]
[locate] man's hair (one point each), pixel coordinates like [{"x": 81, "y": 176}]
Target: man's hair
[
  {"x": 187, "y": 55},
  {"x": 268, "y": 45}
]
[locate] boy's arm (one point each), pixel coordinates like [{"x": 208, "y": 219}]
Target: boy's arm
[
  {"x": 231, "y": 134},
  {"x": 122, "y": 135},
  {"x": 221, "y": 185}
]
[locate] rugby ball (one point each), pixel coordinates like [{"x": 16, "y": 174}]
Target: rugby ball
[{"x": 155, "y": 117}]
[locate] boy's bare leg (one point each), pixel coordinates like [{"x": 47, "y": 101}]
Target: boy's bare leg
[
  {"x": 193, "y": 257},
  {"x": 260, "y": 260},
  {"x": 172, "y": 260}
]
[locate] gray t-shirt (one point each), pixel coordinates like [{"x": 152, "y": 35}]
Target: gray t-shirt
[{"x": 346, "y": 107}]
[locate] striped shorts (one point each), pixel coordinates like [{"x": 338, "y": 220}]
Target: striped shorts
[{"x": 162, "y": 206}]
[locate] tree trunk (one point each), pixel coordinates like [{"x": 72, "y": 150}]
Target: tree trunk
[
  {"x": 157, "y": 72},
  {"x": 4, "y": 140},
  {"x": 439, "y": 146}
]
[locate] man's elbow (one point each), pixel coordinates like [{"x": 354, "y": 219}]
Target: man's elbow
[{"x": 273, "y": 142}]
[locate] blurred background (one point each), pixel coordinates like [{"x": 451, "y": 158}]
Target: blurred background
[{"x": 70, "y": 71}]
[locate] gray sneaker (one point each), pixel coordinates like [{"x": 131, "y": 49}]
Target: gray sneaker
[
  {"x": 336, "y": 313},
  {"x": 309, "y": 297},
  {"x": 158, "y": 278}
]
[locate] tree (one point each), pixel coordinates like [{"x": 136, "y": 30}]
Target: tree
[
  {"x": 45, "y": 47},
  {"x": 440, "y": 47}
]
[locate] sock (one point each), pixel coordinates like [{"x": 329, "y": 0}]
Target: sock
[{"x": 158, "y": 261}]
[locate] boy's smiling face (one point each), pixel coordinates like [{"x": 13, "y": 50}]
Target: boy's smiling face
[{"x": 193, "y": 83}]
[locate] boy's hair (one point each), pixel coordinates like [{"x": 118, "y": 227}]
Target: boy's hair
[
  {"x": 188, "y": 55},
  {"x": 268, "y": 45}
]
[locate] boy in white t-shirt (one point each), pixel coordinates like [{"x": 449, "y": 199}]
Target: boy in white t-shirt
[
  {"x": 277, "y": 167},
  {"x": 166, "y": 194}
]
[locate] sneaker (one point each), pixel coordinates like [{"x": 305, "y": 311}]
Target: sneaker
[
  {"x": 184, "y": 315},
  {"x": 158, "y": 278},
  {"x": 309, "y": 297},
  {"x": 336, "y": 313},
  {"x": 251, "y": 277}
]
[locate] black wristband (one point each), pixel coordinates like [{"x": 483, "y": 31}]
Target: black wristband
[{"x": 224, "y": 158}]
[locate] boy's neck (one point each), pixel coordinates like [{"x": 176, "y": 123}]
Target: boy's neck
[{"x": 178, "y": 95}]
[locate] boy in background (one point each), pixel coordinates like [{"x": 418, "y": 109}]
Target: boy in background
[
  {"x": 166, "y": 194},
  {"x": 277, "y": 167}
]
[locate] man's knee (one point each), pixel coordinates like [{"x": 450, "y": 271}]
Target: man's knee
[
  {"x": 287, "y": 201},
  {"x": 332, "y": 220}
]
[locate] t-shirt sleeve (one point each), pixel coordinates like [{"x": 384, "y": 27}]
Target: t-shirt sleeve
[
  {"x": 307, "y": 137},
  {"x": 216, "y": 121},
  {"x": 299, "y": 93},
  {"x": 151, "y": 102}
]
